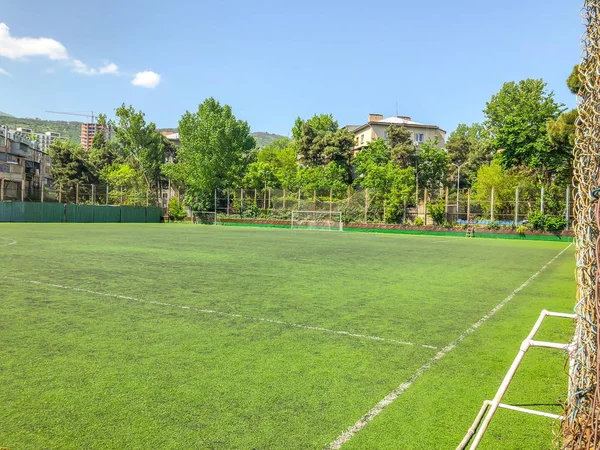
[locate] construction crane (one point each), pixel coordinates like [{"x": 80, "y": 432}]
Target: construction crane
[{"x": 73, "y": 114}]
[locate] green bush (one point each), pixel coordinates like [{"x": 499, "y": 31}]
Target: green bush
[
  {"x": 176, "y": 209},
  {"x": 555, "y": 224},
  {"x": 537, "y": 219},
  {"x": 437, "y": 212},
  {"x": 494, "y": 225},
  {"x": 419, "y": 222},
  {"x": 521, "y": 230}
]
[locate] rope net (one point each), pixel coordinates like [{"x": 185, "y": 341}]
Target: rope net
[{"x": 581, "y": 429}]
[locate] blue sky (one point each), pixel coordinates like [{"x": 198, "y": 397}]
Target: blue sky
[{"x": 275, "y": 60}]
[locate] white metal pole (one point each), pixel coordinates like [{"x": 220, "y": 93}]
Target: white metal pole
[
  {"x": 542, "y": 202},
  {"x": 568, "y": 212},
  {"x": 517, "y": 206}
]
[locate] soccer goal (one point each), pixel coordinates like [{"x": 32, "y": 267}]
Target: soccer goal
[
  {"x": 204, "y": 217},
  {"x": 317, "y": 220}
]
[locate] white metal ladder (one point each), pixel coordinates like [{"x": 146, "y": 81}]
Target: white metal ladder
[{"x": 489, "y": 408}]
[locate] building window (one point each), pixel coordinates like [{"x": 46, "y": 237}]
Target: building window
[
  {"x": 362, "y": 138},
  {"x": 419, "y": 137}
]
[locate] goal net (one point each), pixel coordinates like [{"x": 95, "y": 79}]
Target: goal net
[
  {"x": 317, "y": 220},
  {"x": 204, "y": 217}
]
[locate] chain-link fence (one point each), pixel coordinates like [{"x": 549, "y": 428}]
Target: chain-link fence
[
  {"x": 78, "y": 193},
  {"x": 439, "y": 206}
]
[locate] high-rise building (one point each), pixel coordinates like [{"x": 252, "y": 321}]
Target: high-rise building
[{"x": 88, "y": 130}]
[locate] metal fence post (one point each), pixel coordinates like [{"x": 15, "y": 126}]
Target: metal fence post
[
  {"x": 568, "y": 207},
  {"x": 492, "y": 206},
  {"x": 404, "y": 212},
  {"x": 1, "y": 189},
  {"x": 76, "y": 193},
  {"x": 107, "y": 194},
  {"x": 366, "y": 205},
  {"x": 284, "y": 199},
  {"x": 215, "y": 206},
  {"x": 93, "y": 195},
  {"x": 42, "y": 192},
  {"x": 269, "y": 202},
  {"x": 299, "y": 190},
  {"x": 330, "y": 203},
  {"x": 228, "y": 198},
  {"x": 22, "y": 190},
  {"x": 469, "y": 206},
  {"x": 517, "y": 206},
  {"x": 314, "y": 199},
  {"x": 147, "y": 197},
  {"x": 542, "y": 201},
  {"x": 447, "y": 204},
  {"x": 241, "y": 202},
  {"x": 425, "y": 204},
  {"x": 121, "y": 197},
  {"x": 60, "y": 193}
]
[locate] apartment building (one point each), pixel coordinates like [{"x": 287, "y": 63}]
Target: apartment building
[
  {"x": 88, "y": 130},
  {"x": 24, "y": 166},
  {"x": 376, "y": 128},
  {"x": 44, "y": 140}
]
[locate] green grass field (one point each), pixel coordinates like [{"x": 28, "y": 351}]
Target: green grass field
[{"x": 179, "y": 336}]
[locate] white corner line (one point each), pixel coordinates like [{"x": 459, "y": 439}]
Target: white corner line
[
  {"x": 220, "y": 313},
  {"x": 12, "y": 242},
  {"x": 388, "y": 399}
]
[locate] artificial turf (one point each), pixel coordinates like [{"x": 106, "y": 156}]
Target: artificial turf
[{"x": 83, "y": 370}]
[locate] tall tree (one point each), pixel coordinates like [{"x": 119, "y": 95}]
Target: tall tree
[
  {"x": 433, "y": 164},
  {"x": 470, "y": 147},
  {"x": 141, "y": 145},
  {"x": 214, "y": 153},
  {"x": 70, "y": 164},
  {"x": 319, "y": 142},
  {"x": 403, "y": 149},
  {"x": 517, "y": 117}
]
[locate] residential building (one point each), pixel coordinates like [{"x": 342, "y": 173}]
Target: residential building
[
  {"x": 44, "y": 140},
  {"x": 24, "y": 166},
  {"x": 376, "y": 128},
  {"x": 88, "y": 130}
]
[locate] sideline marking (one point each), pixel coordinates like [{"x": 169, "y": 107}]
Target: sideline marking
[
  {"x": 388, "y": 399},
  {"x": 220, "y": 313},
  {"x": 10, "y": 243}
]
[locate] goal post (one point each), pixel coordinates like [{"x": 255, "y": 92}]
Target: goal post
[
  {"x": 204, "y": 218},
  {"x": 317, "y": 220}
]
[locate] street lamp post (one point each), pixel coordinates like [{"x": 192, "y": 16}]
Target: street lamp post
[{"x": 458, "y": 166}]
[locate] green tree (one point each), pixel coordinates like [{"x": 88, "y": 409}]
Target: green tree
[
  {"x": 214, "y": 153},
  {"x": 140, "y": 144},
  {"x": 260, "y": 175},
  {"x": 126, "y": 182},
  {"x": 517, "y": 117},
  {"x": 70, "y": 164},
  {"x": 319, "y": 142},
  {"x": 471, "y": 147},
  {"x": 573, "y": 82},
  {"x": 433, "y": 164},
  {"x": 403, "y": 149}
]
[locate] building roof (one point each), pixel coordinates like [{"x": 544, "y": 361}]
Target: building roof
[
  {"x": 172, "y": 137},
  {"x": 406, "y": 121}
]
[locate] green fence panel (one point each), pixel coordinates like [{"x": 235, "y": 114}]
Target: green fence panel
[
  {"x": 107, "y": 214},
  {"x": 53, "y": 212},
  {"x": 80, "y": 213},
  {"x": 133, "y": 214},
  {"x": 17, "y": 212},
  {"x": 32, "y": 212},
  {"x": 153, "y": 214},
  {"x": 6, "y": 211}
]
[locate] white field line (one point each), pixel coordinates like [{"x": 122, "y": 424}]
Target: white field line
[
  {"x": 12, "y": 242},
  {"x": 388, "y": 399},
  {"x": 220, "y": 313}
]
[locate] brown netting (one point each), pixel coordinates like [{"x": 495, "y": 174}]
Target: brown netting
[{"x": 581, "y": 429}]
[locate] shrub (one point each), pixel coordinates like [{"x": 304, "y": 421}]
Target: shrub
[
  {"x": 538, "y": 220},
  {"x": 176, "y": 209},
  {"x": 494, "y": 225},
  {"x": 555, "y": 224},
  {"x": 521, "y": 230},
  {"x": 437, "y": 212},
  {"x": 419, "y": 222}
]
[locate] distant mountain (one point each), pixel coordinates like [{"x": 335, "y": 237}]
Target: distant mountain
[
  {"x": 5, "y": 114},
  {"x": 68, "y": 130},
  {"x": 263, "y": 138}
]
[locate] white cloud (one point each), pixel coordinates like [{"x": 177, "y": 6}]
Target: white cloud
[
  {"x": 50, "y": 70},
  {"x": 5, "y": 73},
  {"x": 19, "y": 48},
  {"x": 147, "y": 79},
  {"x": 84, "y": 69}
]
